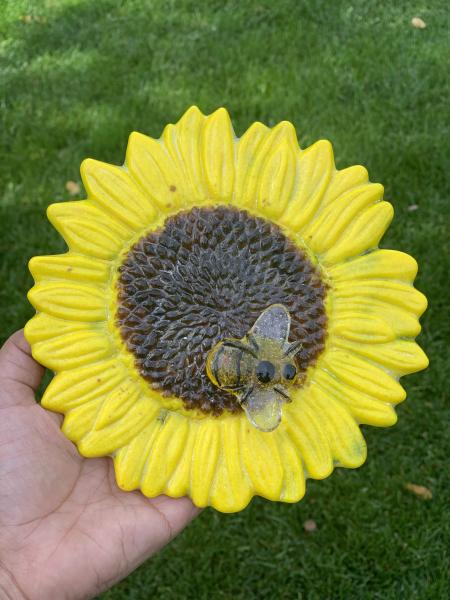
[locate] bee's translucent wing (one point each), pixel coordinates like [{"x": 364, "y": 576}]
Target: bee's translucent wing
[
  {"x": 263, "y": 408},
  {"x": 273, "y": 323}
]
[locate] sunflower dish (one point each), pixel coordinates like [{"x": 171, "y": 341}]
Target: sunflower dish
[{"x": 223, "y": 320}]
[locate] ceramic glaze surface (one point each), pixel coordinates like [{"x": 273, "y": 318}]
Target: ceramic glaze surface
[
  {"x": 357, "y": 303},
  {"x": 206, "y": 275}
]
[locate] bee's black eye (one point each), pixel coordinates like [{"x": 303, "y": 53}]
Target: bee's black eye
[
  {"x": 265, "y": 371},
  {"x": 289, "y": 371}
]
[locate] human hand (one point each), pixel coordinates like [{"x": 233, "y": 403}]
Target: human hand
[{"x": 66, "y": 530}]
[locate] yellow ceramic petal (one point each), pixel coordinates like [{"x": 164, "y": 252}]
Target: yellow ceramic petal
[
  {"x": 404, "y": 323},
  {"x": 87, "y": 230},
  {"x": 81, "y": 385},
  {"x": 115, "y": 192},
  {"x": 231, "y": 490},
  {"x": 397, "y": 293},
  {"x": 344, "y": 436},
  {"x": 293, "y": 487},
  {"x": 60, "y": 345},
  {"x": 183, "y": 141},
  {"x": 71, "y": 267},
  {"x": 315, "y": 170},
  {"x": 365, "y": 409},
  {"x": 400, "y": 357},
  {"x": 205, "y": 455},
  {"x": 324, "y": 232},
  {"x": 363, "y": 375},
  {"x": 379, "y": 264},
  {"x": 71, "y": 301},
  {"x": 217, "y": 147},
  {"x": 343, "y": 181},
  {"x": 100, "y": 442},
  {"x": 362, "y": 234},
  {"x": 247, "y": 150},
  {"x": 72, "y": 350},
  {"x": 180, "y": 482},
  {"x": 359, "y": 327},
  {"x": 154, "y": 170},
  {"x": 81, "y": 419},
  {"x": 306, "y": 433},
  {"x": 278, "y": 176},
  {"x": 44, "y": 327},
  {"x": 265, "y": 153},
  {"x": 165, "y": 453},
  {"x": 130, "y": 460},
  {"x": 262, "y": 460},
  {"x": 117, "y": 403}
]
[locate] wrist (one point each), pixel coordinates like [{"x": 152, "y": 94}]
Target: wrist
[{"x": 9, "y": 590}]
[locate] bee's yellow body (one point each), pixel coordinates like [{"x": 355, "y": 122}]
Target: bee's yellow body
[{"x": 258, "y": 368}]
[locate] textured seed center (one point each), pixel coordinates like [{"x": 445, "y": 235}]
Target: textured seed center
[{"x": 208, "y": 274}]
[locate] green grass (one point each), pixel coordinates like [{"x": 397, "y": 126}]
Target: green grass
[{"x": 79, "y": 76}]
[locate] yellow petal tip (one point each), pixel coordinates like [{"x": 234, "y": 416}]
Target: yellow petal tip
[
  {"x": 53, "y": 211},
  {"x": 88, "y": 169},
  {"x": 220, "y": 112}
]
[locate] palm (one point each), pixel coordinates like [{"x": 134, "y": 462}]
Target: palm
[{"x": 64, "y": 523}]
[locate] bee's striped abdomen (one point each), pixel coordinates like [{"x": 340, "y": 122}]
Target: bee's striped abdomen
[{"x": 225, "y": 366}]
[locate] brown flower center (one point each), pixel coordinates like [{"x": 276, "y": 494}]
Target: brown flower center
[{"x": 206, "y": 275}]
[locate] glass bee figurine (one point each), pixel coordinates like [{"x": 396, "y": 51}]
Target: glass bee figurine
[{"x": 258, "y": 368}]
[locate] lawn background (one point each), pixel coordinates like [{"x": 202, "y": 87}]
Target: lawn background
[{"x": 76, "y": 77}]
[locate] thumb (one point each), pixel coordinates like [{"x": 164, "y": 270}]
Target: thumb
[{"x": 20, "y": 374}]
